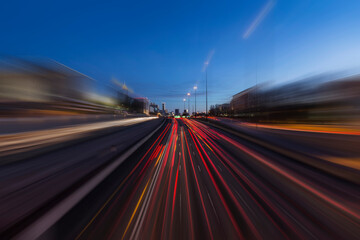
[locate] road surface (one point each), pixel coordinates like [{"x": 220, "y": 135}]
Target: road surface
[{"x": 191, "y": 180}]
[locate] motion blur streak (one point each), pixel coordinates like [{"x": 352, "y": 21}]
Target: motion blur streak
[
  {"x": 19, "y": 142},
  {"x": 197, "y": 181},
  {"x": 289, "y": 172},
  {"x": 180, "y": 120},
  {"x": 259, "y": 18}
]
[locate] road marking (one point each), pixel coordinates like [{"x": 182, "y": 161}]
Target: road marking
[
  {"x": 137, "y": 206},
  {"x": 41, "y": 225},
  {"x": 217, "y": 217}
]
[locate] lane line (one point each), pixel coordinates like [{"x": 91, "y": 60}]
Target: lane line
[{"x": 39, "y": 226}]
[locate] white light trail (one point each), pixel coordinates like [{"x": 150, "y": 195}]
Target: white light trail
[{"x": 259, "y": 18}]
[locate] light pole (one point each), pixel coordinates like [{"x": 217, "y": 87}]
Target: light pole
[
  {"x": 184, "y": 105},
  {"x": 206, "y": 112},
  {"x": 195, "y": 87},
  {"x": 188, "y": 95}
]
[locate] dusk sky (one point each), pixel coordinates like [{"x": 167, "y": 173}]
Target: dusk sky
[{"x": 159, "y": 47}]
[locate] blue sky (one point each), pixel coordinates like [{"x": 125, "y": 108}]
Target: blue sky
[{"x": 159, "y": 47}]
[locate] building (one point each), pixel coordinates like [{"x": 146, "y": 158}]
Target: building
[
  {"x": 220, "y": 109},
  {"x": 143, "y": 105},
  {"x": 243, "y": 101},
  {"x": 154, "y": 108},
  {"x": 177, "y": 111},
  {"x": 163, "y": 107},
  {"x": 42, "y": 81}
]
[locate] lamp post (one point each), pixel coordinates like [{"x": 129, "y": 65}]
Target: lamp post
[
  {"x": 184, "y": 105},
  {"x": 195, "y": 87},
  {"x": 188, "y": 95},
  {"x": 206, "y": 112}
]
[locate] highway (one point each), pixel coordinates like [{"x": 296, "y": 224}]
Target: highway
[
  {"x": 180, "y": 120},
  {"x": 193, "y": 180},
  {"x": 37, "y": 179}
]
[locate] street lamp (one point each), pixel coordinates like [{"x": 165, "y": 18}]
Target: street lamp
[
  {"x": 195, "y": 87},
  {"x": 206, "y": 111},
  {"x": 188, "y": 95},
  {"x": 184, "y": 105}
]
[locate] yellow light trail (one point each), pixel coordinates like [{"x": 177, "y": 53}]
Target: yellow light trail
[
  {"x": 162, "y": 152},
  {"x": 136, "y": 208}
]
